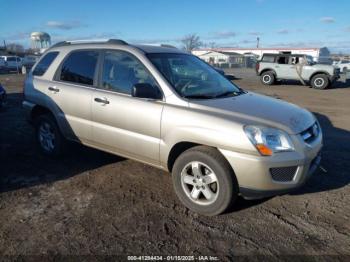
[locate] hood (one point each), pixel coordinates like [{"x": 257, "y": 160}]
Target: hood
[
  {"x": 324, "y": 67},
  {"x": 257, "y": 109}
]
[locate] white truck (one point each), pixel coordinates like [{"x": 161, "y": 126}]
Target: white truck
[{"x": 274, "y": 67}]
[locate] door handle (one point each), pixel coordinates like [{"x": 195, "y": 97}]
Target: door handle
[
  {"x": 101, "y": 100},
  {"x": 277, "y": 66},
  {"x": 53, "y": 89}
]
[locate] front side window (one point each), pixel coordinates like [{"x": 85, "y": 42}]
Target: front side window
[
  {"x": 44, "y": 63},
  {"x": 121, "y": 71},
  {"x": 191, "y": 77},
  {"x": 79, "y": 67}
]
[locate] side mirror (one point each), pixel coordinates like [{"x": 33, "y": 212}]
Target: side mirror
[{"x": 145, "y": 90}]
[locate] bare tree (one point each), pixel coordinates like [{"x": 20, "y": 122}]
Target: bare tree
[{"x": 190, "y": 42}]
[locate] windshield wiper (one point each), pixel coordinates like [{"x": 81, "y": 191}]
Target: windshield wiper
[
  {"x": 198, "y": 96},
  {"x": 230, "y": 93}
]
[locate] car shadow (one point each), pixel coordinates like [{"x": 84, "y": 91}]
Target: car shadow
[
  {"x": 21, "y": 162},
  {"x": 339, "y": 84},
  {"x": 335, "y": 160}
]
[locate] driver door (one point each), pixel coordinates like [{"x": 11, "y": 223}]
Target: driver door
[{"x": 124, "y": 124}]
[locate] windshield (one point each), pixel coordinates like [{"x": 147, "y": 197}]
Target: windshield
[
  {"x": 193, "y": 78},
  {"x": 310, "y": 60}
]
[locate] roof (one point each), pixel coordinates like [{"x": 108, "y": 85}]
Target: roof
[{"x": 116, "y": 42}]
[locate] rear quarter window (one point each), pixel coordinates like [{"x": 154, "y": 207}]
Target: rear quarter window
[{"x": 44, "y": 63}]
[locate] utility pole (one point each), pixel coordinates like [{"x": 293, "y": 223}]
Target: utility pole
[{"x": 257, "y": 42}]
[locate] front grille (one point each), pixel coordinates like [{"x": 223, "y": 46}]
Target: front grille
[
  {"x": 310, "y": 134},
  {"x": 283, "y": 174}
]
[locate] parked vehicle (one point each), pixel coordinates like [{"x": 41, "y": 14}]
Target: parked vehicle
[
  {"x": 274, "y": 67},
  {"x": 28, "y": 62},
  {"x": 217, "y": 140},
  {"x": 12, "y": 63},
  {"x": 343, "y": 65},
  {"x": 2, "y": 65},
  {"x": 2, "y": 95}
]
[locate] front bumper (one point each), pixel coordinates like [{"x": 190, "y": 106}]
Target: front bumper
[
  {"x": 249, "y": 193},
  {"x": 254, "y": 175}
]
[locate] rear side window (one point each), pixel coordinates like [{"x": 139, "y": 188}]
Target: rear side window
[
  {"x": 44, "y": 63},
  {"x": 283, "y": 60},
  {"x": 79, "y": 67},
  {"x": 268, "y": 59}
]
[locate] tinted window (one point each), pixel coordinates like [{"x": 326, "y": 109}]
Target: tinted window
[
  {"x": 121, "y": 71},
  {"x": 44, "y": 63},
  {"x": 282, "y": 60},
  {"x": 268, "y": 59},
  {"x": 80, "y": 67}
]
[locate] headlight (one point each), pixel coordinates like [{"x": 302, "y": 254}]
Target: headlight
[{"x": 269, "y": 140}]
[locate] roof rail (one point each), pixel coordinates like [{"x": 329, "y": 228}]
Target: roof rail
[{"x": 91, "y": 41}]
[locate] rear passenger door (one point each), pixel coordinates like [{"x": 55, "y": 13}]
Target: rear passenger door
[
  {"x": 121, "y": 123},
  {"x": 72, "y": 91},
  {"x": 282, "y": 67}
]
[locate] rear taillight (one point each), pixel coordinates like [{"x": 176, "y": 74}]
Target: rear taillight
[{"x": 257, "y": 66}]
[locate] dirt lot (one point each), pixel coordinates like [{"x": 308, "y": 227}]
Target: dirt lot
[{"x": 94, "y": 203}]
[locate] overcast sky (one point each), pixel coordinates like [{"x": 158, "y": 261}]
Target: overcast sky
[{"x": 278, "y": 23}]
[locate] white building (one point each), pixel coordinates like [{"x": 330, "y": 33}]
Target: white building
[{"x": 319, "y": 54}]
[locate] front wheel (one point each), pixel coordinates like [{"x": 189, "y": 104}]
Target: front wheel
[
  {"x": 204, "y": 181},
  {"x": 320, "y": 81}
]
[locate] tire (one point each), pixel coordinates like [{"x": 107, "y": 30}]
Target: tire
[
  {"x": 205, "y": 197},
  {"x": 268, "y": 78},
  {"x": 48, "y": 136},
  {"x": 320, "y": 81}
]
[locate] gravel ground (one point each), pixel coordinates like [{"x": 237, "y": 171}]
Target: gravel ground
[{"x": 93, "y": 203}]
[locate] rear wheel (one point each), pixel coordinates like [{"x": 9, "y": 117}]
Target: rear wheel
[
  {"x": 320, "y": 81},
  {"x": 49, "y": 138},
  {"x": 204, "y": 181},
  {"x": 268, "y": 78}
]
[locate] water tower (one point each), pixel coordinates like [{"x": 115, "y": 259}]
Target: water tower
[{"x": 40, "y": 40}]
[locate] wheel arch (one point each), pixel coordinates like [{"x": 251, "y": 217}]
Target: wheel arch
[
  {"x": 181, "y": 147},
  {"x": 39, "y": 110},
  {"x": 267, "y": 70},
  {"x": 319, "y": 73}
]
